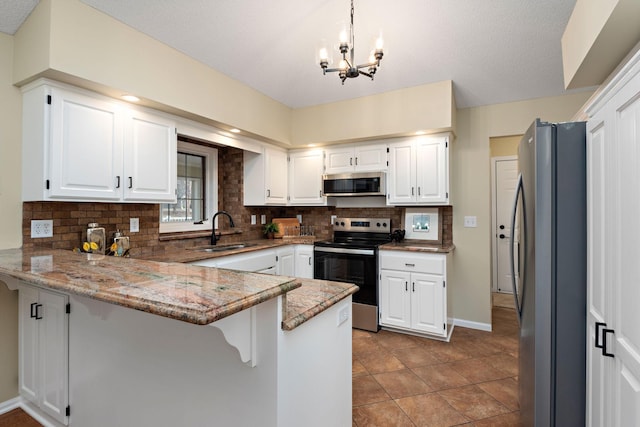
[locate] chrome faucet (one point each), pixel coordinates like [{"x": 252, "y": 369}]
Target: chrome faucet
[{"x": 214, "y": 238}]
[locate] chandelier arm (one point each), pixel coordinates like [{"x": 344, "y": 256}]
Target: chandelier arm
[
  {"x": 368, "y": 65},
  {"x": 366, "y": 74}
]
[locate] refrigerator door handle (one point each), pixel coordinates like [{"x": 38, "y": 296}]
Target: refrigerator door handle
[{"x": 511, "y": 247}]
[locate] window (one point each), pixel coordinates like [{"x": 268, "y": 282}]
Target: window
[{"x": 197, "y": 190}]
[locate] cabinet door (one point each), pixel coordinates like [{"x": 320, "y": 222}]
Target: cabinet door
[
  {"x": 339, "y": 160},
  {"x": 305, "y": 178},
  {"x": 304, "y": 261},
  {"x": 432, "y": 184},
  {"x": 85, "y": 148},
  {"x": 28, "y": 343},
  {"x": 428, "y": 304},
  {"x": 402, "y": 174},
  {"x": 395, "y": 299},
  {"x": 149, "y": 158},
  {"x": 53, "y": 353},
  {"x": 370, "y": 158},
  {"x": 286, "y": 261},
  {"x": 276, "y": 176}
]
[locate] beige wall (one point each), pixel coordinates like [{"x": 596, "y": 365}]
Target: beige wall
[
  {"x": 598, "y": 36},
  {"x": 504, "y": 146},
  {"x": 471, "y": 192},
  {"x": 10, "y": 214},
  {"x": 428, "y": 107}
]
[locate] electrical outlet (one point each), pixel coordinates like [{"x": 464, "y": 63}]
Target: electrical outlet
[
  {"x": 253, "y": 220},
  {"x": 299, "y": 218},
  {"x": 41, "y": 228},
  {"x": 333, "y": 219},
  {"x": 343, "y": 315},
  {"x": 263, "y": 219},
  {"x": 134, "y": 225},
  {"x": 470, "y": 221}
]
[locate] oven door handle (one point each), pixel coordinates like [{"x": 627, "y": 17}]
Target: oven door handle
[{"x": 345, "y": 251}]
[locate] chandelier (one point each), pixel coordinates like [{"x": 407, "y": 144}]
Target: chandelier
[{"x": 347, "y": 67}]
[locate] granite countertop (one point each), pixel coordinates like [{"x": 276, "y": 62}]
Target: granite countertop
[
  {"x": 419, "y": 246},
  {"x": 193, "y": 294}
]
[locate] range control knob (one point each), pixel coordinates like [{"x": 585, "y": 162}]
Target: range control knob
[
  {"x": 342, "y": 223},
  {"x": 378, "y": 224},
  {"x": 337, "y": 222},
  {"x": 384, "y": 224}
]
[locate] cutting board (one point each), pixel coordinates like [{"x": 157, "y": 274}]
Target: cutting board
[{"x": 286, "y": 222}]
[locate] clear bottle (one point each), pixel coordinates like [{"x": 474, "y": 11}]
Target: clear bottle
[{"x": 96, "y": 234}]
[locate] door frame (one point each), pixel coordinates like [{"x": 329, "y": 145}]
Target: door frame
[{"x": 494, "y": 230}]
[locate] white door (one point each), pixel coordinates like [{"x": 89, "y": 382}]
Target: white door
[
  {"x": 339, "y": 160},
  {"x": 371, "y": 158},
  {"x": 427, "y": 303},
  {"x": 431, "y": 170},
  {"x": 505, "y": 180},
  {"x": 624, "y": 320},
  {"x": 305, "y": 178},
  {"x": 402, "y": 174},
  {"x": 86, "y": 147},
  {"x": 395, "y": 299},
  {"x": 28, "y": 343},
  {"x": 149, "y": 158},
  {"x": 286, "y": 261},
  {"x": 304, "y": 261},
  {"x": 276, "y": 176}
]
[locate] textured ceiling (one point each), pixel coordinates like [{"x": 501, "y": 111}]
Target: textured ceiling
[{"x": 494, "y": 50}]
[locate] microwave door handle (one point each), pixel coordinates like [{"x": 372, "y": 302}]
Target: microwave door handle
[{"x": 514, "y": 285}]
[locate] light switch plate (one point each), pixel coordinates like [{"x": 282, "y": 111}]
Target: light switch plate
[
  {"x": 263, "y": 219},
  {"x": 134, "y": 225},
  {"x": 253, "y": 220},
  {"x": 41, "y": 228},
  {"x": 299, "y": 218},
  {"x": 470, "y": 221}
]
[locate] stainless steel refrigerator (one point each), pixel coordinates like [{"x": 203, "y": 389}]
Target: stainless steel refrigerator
[{"x": 548, "y": 260}]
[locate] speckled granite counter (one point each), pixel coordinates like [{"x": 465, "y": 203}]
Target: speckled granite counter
[
  {"x": 185, "y": 292},
  {"x": 311, "y": 299},
  {"x": 418, "y": 246}
]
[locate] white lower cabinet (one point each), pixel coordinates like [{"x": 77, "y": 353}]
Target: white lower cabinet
[
  {"x": 285, "y": 261},
  {"x": 304, "y": 261},
  {"x": 43, "y": 350},
  {"x": 413, "y": 293}
]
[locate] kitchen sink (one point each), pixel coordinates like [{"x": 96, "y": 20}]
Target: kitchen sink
[{"x": 222, "y": 248}]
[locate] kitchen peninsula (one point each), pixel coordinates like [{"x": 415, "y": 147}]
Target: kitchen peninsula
[{"x": 153, "y": 343}]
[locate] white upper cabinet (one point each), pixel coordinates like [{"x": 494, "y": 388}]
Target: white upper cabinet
[
  {"x": 81, "y": 146},
  {"x": 419, "y": 171},
  {"x": 265, "y": 177},
  {"x": 358, "y": 158},
  {"x": 305, "y": 178}
]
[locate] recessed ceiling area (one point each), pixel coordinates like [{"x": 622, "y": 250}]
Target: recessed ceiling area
[{"x": 494, "y": 51}]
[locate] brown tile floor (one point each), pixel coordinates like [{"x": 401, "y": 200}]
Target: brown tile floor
[{"x": 402, "y": 380}]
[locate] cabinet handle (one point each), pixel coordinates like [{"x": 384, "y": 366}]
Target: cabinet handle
[
  {"x": 409, "y": 265},
  {"x": 413, "y": 286},
  {"x": 117, "y": 181},
  {"x": 268, "y": 193},
  {"x": 309, "y": 260},
  {"x": 604, "y": 342},
  {"x": 412, "y": 193},
  {"x": 350, "y": 161},
  {"x": 130, "y": 182},
  {"x": 356, "y": 161},
  {"x": 406, "y": 286},
  {"x": 33, "y": 312},
  {"x": 418, "y": 191},
  {"x": 320, "y": 193},
  {"x": 38, "y": 317},
  {"x": 599, "y": 325}
]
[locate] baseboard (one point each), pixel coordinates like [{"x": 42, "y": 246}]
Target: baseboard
[
  {"x": 10, "y": 405},
  {"x": 26, "y": 406},
  {"x": 472, "y": 325}
]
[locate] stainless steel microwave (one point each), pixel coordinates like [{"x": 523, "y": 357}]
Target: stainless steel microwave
[{"x": 354, "y": 184}]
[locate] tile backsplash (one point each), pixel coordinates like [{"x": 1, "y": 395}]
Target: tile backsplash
[{"x": 70, "y": 219}]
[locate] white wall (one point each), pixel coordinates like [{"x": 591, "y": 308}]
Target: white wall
[
  {"x": 471, "y": 191},
  {"x": 10, "y": 214}
]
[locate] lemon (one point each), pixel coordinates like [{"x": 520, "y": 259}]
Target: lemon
[
  {"x": 85, "y": 246},
  {"x": 94, "y": 246}
]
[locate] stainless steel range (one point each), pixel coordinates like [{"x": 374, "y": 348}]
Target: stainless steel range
[{"x": 352, "y": 256}]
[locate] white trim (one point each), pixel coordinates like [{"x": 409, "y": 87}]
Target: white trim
[
  {"x": 494, "y": 230},
  {"x": 26, "y": 406},
  {"x": 10, "y": 405},
  {"x": 472, "y": 325},
  {"x": 211, "y": 198}
]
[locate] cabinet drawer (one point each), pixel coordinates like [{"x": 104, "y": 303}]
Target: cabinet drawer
[{"x": 405, "y": 261}]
